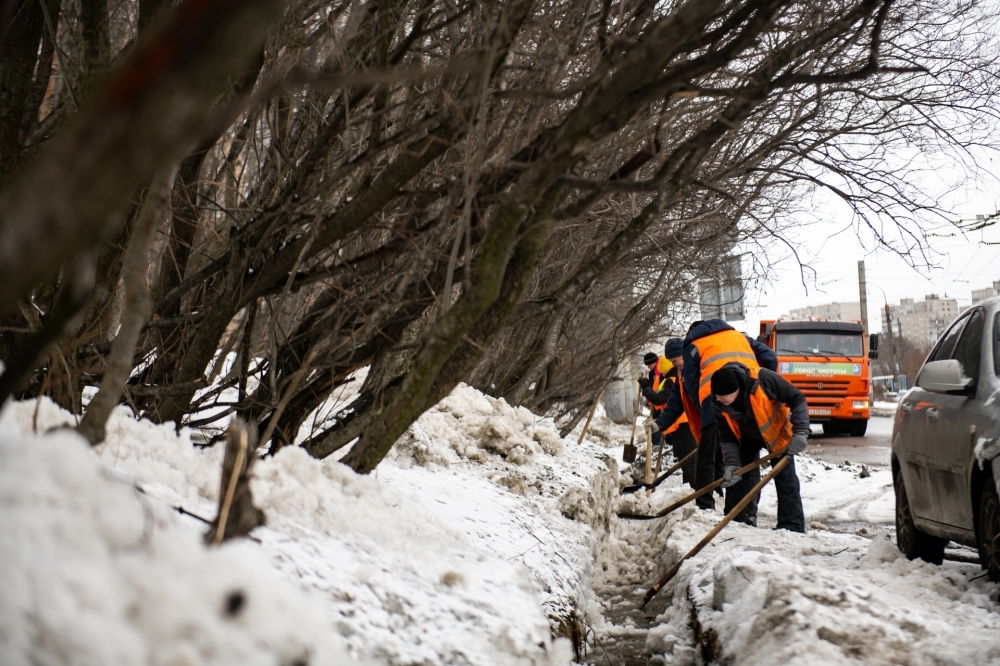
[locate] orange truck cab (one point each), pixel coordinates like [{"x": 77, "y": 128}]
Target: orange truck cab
[{"x": 828, "y": 362}]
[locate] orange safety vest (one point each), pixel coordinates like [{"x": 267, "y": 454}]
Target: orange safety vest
[
  {"x": 717, "y": 349},
  {"x": 692, "y": 412},
  {"x": 773, "y": 417}
]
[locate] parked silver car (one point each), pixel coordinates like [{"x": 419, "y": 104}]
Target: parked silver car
[{"x": 945, "y": 448}]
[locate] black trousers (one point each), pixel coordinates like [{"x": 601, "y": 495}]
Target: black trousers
[
  {"x": 706, "y": 466},
  {"x": 683, "y": 444},
  {"x": 786, "y": 483}
]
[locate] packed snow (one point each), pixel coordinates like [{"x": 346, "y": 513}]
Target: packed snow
[{"x": 484, "y": 538}]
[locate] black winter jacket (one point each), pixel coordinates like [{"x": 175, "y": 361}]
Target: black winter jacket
[
  {"x": 775, "y": 387},
  {"x": 659, "y": 398}
]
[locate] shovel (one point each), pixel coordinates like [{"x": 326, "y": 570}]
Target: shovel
[
  {"x": 586, "y": 425},
  {"x": 628, "y": 455},
  {"x": 628, "y": 490},
  {"x": 707, "y": 489},
  {"x": 715, "y": 530}
]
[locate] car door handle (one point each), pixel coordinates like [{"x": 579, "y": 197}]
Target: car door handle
[
  {"x": 933, "y": 414},
  {"x": 906, "y": 407}
]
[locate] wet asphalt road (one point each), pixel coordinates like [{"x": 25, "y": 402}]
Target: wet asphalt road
[{"x": 872, "y": 449}]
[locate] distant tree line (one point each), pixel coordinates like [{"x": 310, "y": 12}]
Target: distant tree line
[{"x": 227, "y": 208}]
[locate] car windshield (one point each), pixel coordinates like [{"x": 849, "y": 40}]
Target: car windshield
[{"x": 827, "y": 343}]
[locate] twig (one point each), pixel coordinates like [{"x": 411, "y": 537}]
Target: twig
[
  {"x": 234, "y": 476},
  {"x": 586, "y": 425}
]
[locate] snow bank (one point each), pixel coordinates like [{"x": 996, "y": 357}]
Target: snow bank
[
  {"x": 94, "y": 572},
  {"x": 758, "y": 596},
  {"x": 472, "y": 544},
  {"x": 504, "y": 476},
  {"x": 884, "y": 408}
]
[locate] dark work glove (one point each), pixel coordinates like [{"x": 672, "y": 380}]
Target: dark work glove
[
  {"x": 731, "y": 479},
  {"x": 797, "y": 445},
  {"x": 643, "y": 382}
]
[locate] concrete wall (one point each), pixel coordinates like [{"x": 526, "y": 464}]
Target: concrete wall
[{"x": 620, "y": 396}]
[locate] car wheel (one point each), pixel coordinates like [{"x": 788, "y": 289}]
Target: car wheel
[
  {"x": 912, "y": 542},
  {"x": 859, "y": 428},
  {"x": 988, "y": 534}
]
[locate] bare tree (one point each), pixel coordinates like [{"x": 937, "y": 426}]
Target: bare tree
[{"x": 511, "y": 194}]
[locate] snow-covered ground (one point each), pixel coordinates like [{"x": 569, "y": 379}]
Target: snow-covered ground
[
  {"x": 484, "y": 538},
  {"x": 471, "y": 544},
  {"x": 836, "y": 595}
]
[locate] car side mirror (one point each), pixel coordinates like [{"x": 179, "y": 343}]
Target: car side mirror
[
  {"x": 943, "y": 377},
  {"x": 873, "y": 343}
]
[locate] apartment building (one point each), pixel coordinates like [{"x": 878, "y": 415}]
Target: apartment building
[
  {"x": 831, "y": 311},
  {"x": 982, "y": 294},
  {"x": 922, "y": 321}
]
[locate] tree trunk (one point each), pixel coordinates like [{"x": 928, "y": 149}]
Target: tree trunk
[
  {"x": 137, "y": 305},
  {"x": 19, "y": 59},
  {"x": 151, "y": 111}
]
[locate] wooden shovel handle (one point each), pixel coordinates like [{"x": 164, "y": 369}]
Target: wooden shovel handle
[
  {"x": 660, "y": 479},
  {"x": 705, "y": 490},
  {"x": 715, "y": 530},
  {"x": 593, "y": 408},
  {"x": 635, "y": 415}
]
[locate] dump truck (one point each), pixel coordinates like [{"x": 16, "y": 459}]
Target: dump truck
[{"x": 828, "y": 362}]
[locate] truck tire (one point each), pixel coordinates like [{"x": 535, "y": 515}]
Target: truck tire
[
  {"x": 912, "y": 542},
  {"x": 858, "y": 428},
  {"x": 988, "y": 534},
  {"x": 832, "y": 428}
]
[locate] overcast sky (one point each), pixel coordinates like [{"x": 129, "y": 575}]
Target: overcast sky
[{"x": 833, "y": 245}]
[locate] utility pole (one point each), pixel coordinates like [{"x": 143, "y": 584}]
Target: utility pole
[
  {"x": 863, "y": 288},
  {"x": 890, "y": 338}
]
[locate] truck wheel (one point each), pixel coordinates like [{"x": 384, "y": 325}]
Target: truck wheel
[
  {"x": 988, "y": 534},
  {"x": 858, "y": 428},
  {"x": 912, "y": 542},
  {"x": 832, "y": 428}
]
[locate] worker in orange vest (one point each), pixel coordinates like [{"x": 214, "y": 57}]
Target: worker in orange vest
[
  {"x": 709, "y": 345},
  {"x": 651, "y": 386},
  {"x": 678, "y": 436},
  {"x": 759, "y": 409}
]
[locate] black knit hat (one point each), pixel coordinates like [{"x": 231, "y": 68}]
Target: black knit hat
[
  {"x": 650, "y": 357},
  {"x": 674, "y": 348},
  {"x": 724, "y": 382}
]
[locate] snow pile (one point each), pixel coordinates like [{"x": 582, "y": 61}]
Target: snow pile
[
  {"x": 96, "y": 573},
  {"x": 884, "y": 408},
  {"x": 471, "y": 544},
  {"x": 472, "y": 426},
  {"x": 504, "y": 476}
]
